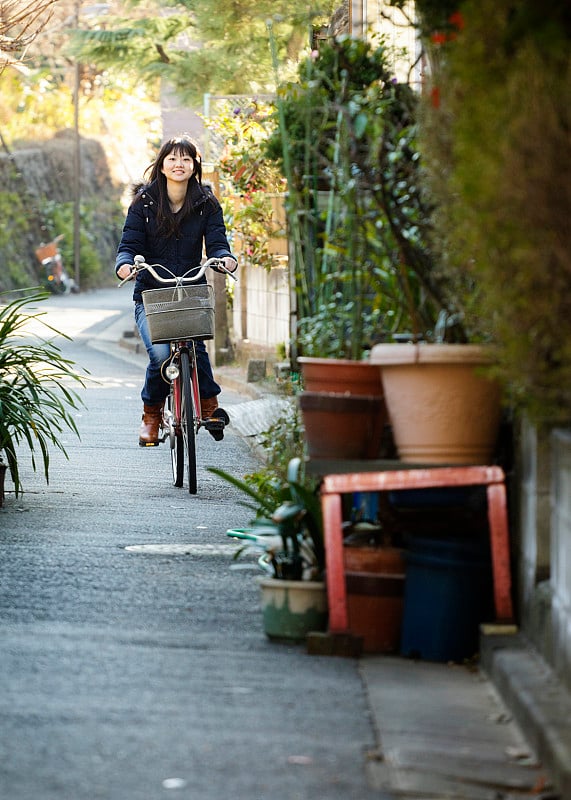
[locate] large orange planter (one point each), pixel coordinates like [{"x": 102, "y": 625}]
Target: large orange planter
[{"x": 442, "y": 408}]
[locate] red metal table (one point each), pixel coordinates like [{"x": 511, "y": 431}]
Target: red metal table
[{"x": 334, "y": 485}]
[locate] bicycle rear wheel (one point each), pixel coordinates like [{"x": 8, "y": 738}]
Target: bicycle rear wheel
[{"x": 187, "y": 420}]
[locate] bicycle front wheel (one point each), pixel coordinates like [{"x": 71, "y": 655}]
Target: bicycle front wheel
[
  {"x": 187, "y": 420},
  {"x": 176, "y": 441}
]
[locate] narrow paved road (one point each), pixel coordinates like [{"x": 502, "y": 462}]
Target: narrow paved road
[{"x": 133, "y": 665}]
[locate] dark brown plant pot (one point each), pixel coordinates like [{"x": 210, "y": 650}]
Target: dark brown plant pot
[
  {"x": 341, "y": 375},
  {"x": 342, "y": 426}
]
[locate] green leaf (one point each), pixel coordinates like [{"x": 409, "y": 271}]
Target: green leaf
[
  {"x": 361, "y": 122},
  {"x": 34, "y": 402}
]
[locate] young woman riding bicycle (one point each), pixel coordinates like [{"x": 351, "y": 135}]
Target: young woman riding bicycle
[{"x": 171, "y": 220}]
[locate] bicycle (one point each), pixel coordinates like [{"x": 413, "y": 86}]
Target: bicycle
[{"x": 178, "y": 315}]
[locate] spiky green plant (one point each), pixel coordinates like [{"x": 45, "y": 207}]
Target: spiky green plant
[
  {"x": 291, "y": 508},
  {"x": 36, "y": 401}
]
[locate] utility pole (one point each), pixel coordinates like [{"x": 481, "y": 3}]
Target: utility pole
[{"x": 76, "y": 167}]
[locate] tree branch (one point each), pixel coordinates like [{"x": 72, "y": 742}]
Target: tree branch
[{"x": 20, "y": 23}]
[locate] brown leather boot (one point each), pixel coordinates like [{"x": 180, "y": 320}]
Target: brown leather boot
[
  {"x": 152, "y": 420},
  {"x": 208, "y": 406},
  {"x": 214, "y": 417}
]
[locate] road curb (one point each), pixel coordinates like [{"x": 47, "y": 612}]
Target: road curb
[{"x": 536, "y": 697}]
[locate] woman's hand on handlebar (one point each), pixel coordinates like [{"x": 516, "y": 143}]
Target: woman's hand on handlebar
[
  {"x": 230, "y": 263},
  {"x": 125, "y": 271}
]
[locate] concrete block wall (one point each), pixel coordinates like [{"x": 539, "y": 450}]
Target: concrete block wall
[
  {"x": 543, "y": 547},
  {"x": 561, "y": 554},
  {"x": 261, "y": 304},
  {"x": 268, "y": 305},
  {"x": 535, "y": 507},
  {"x": 261, "y": 311}
]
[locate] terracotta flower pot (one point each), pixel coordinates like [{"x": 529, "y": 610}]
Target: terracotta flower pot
[
  {"x": 341, "y": 375},
  {"x": 375, "y": 595},
  {"x": 443, "y": 410},
  {"x": 342, "y": 426},
  {"x": 371, "y": 558}
]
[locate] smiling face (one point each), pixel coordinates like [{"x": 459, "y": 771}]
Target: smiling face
[{"x": 178, "y": 166}]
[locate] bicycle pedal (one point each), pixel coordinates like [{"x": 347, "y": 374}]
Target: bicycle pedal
[
  {"x": 216, "y": 423},
  {"x": 213, "y": 424},
  {"x": 218, "y": 419},
  {"x": 150, "y": 444},
  {"x": 216, "y": 433}
]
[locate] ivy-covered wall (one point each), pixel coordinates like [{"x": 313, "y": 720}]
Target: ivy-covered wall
[{"x": 36, "y": 204}]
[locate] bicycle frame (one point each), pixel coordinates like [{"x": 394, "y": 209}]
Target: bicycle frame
[{"x": 176, "y": 348}]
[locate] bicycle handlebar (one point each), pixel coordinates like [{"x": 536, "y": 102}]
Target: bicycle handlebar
[{"x": 176, "y": 280}]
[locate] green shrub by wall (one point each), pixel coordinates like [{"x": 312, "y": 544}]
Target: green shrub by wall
[
  {"x": 498, "y": 130},
  {"x": 16, "y": 272}
]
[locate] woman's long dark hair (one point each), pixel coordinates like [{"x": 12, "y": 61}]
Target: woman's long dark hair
[{"x": 167, "y": 222}]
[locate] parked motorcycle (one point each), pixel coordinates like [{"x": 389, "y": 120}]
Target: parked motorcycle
[{"x": 54, "y": 274}]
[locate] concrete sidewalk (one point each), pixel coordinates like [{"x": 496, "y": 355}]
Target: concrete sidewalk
[
  {"x": 501, "y": 729},
  {"x": 444, "y": 732},
  {"x": 451, "y": 731}
]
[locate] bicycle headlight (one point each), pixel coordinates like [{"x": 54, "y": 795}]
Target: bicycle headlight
[{"x": 172, "y": 372}]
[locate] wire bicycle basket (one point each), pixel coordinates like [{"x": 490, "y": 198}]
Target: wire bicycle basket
[{"x": 180, "y": 312}]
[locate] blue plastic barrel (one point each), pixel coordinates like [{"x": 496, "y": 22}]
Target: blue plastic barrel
[{"x": 448, "y": 593}]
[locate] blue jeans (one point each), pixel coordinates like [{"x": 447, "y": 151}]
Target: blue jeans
[{"x": 155, "y": 388}]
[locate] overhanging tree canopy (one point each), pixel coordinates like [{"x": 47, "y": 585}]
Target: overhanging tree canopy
[{"x": 201, "y": 46}]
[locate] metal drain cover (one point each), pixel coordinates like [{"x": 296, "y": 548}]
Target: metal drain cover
[{"x": 183, "y": 549}]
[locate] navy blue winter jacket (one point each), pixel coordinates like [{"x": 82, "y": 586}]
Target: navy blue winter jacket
[{"x": 204, "y": 226}]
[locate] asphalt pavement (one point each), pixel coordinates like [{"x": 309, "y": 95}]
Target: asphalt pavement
[{"x": 133, "y": 665}]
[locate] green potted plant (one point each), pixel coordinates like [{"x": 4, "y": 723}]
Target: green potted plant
[
  {"x": 360, "y": 221},
  {"x": 337, "y": 314},
  {"x": 287, "y": 531},
  {"x": 442, "y": 405},
  {"x": 361, "y": 225},
  {"x": 311, "y": 144},
  {"x": 493, "y": 151},
  {"x": 36, "y": 401}
]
